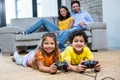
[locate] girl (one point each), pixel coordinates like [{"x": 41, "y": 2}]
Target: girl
[
  {"x": 44, "y": 57},
  {"x": 78, "y": 52}
]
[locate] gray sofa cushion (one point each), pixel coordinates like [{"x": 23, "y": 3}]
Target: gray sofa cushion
[
  {"x": 33, "y": 36},
  {"x": 26, "y": 22},
  {"x": 11, "y": 29},
  {"x": 88, "y": 33},
  {"x": 96, "y": 25}
]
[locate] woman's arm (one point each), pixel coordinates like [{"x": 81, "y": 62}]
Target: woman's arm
[{"x": 71, "y": 23}]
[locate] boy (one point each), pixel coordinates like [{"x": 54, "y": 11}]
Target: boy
[{"x": 78, "y": 52}]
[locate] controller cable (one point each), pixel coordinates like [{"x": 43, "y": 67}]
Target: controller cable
[{"x": 95, "y": 76}]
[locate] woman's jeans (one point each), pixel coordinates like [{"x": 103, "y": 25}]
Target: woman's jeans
[
  {"x": 62, "y": 36},
  {"x": 48, "y": 25}
]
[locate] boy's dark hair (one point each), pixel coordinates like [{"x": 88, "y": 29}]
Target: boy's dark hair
[
  {"x": 78, "y": 33},
  {"x": 75, "y": 2}
]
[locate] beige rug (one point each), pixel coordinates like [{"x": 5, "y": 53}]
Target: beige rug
[{"x": 110, "y": 61}]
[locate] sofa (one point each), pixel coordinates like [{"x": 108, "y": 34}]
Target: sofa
[{"x": 10, "y": 40}]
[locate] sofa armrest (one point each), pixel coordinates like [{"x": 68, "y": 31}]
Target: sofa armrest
[
  {"x": 96, "y": 25},
  {"x": 10, "y": 29}
]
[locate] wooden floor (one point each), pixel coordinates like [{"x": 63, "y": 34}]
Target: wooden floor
[{"x": 110, "y": 61}]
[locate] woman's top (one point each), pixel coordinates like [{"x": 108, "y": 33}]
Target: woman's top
[
  {"x": 75, "y": 58},
  {"x": 63, "y": 25}
]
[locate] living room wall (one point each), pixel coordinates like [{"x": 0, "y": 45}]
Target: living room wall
[
  {"x": 94, "y": 7},
  {"x": 111, "y": 15}
]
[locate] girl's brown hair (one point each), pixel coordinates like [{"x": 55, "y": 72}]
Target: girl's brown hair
[{"x": 55, "y": 51}]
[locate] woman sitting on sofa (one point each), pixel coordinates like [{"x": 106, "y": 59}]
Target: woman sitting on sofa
[{"x": 65, "y": 21}]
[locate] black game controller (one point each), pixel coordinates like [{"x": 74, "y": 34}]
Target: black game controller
[
  {"x": 90, "y": 64},
  {"x": 62, "y": 66}
]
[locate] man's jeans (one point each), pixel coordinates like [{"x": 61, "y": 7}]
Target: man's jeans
[{"x": 64, "y": 35}]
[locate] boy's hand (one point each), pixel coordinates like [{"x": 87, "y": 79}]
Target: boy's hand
[
  {"x": 97, "y": 67},
  {"x": 81, "y": 68}
]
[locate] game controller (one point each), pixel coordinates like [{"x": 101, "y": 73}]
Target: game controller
[
  {"x": 62, "y": 66},
  {"x": 90, "y": 64}
]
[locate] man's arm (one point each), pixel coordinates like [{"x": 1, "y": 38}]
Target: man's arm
[{"x": 88, "y": 18}]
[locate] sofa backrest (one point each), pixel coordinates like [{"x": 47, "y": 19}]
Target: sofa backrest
[{"x": 26, "y": 22}]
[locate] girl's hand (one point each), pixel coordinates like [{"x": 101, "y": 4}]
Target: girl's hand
[{"x": 53, "y": 69}]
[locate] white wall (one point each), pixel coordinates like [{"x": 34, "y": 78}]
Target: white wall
[
  {"x": 111, "y": 15},
  {"x": 47, "y": 8},
  {"x": 25, "y": 8},
  {"x": 10, "y": 10},
  {"x": 67, "y": 3}
]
